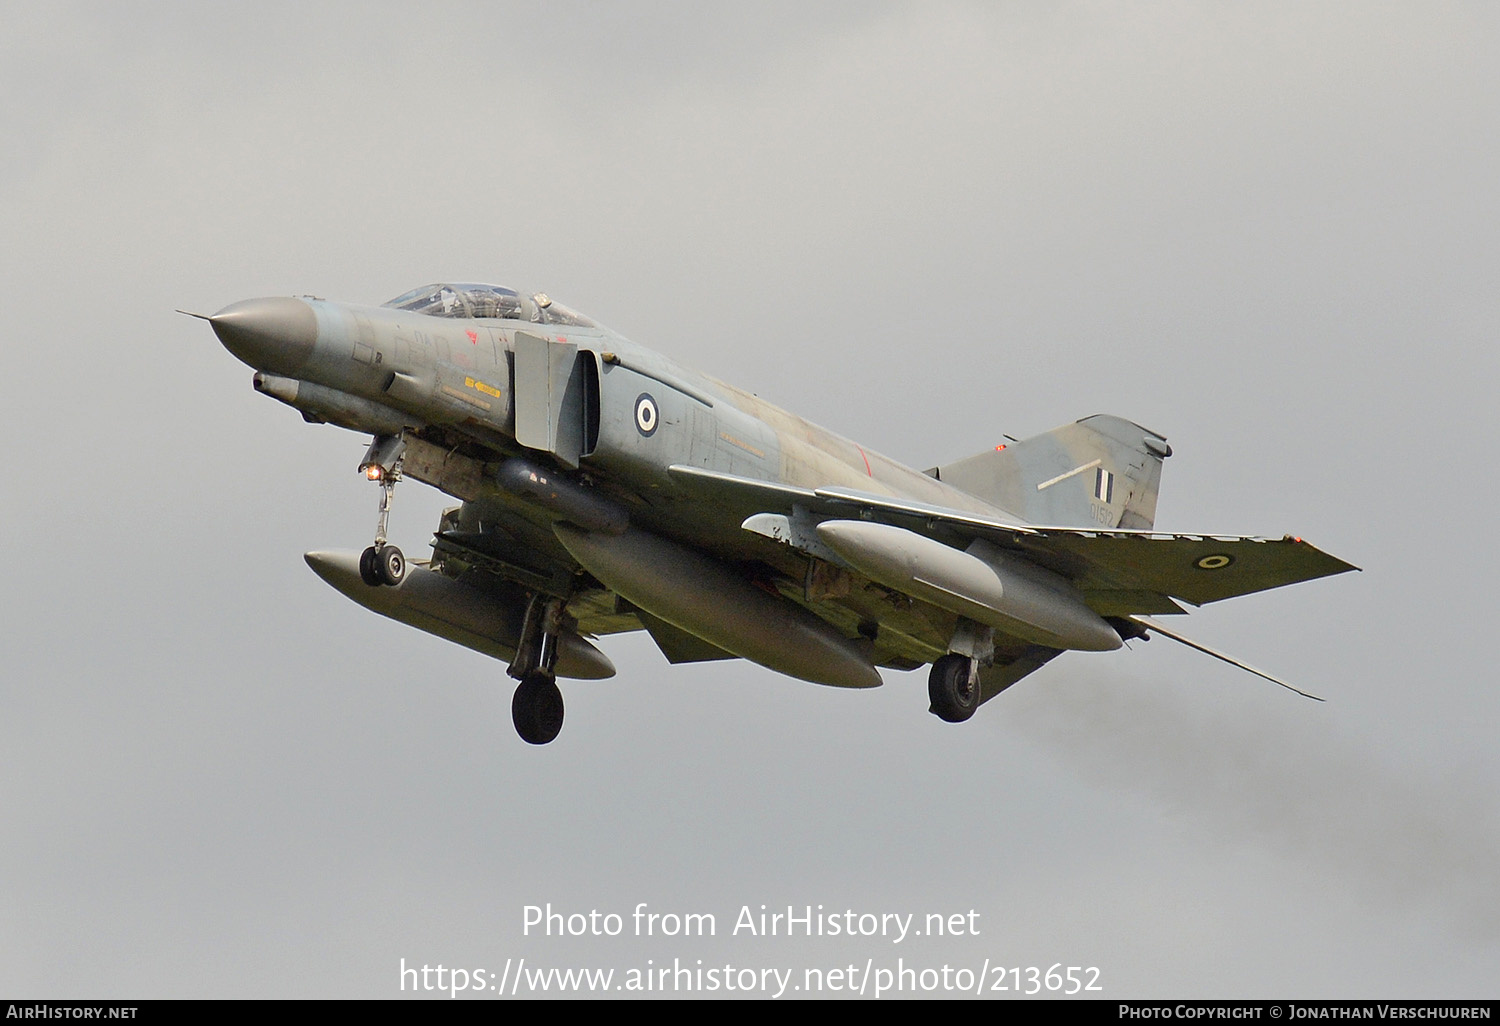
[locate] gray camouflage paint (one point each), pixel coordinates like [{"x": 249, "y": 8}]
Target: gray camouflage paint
[{"x": 694, "y": 464}]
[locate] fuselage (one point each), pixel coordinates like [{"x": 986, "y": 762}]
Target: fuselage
[
  {"x": 634, "y": 490},
  {"x": 456, "y": 377},
  {"x": 606, "y": 488}
]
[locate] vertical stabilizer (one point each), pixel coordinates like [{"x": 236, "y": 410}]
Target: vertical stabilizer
[{"x": 1101, "y": 471}]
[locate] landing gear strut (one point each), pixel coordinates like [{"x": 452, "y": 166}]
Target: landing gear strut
[
  {"x": 381, "y": 563},
  {"x": 537, "y": 708}
]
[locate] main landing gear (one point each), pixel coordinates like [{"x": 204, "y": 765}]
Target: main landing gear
[
  {"x": 383, "y": 564},
  {"x": 953, "y": 687},
  {"x": 537, "y": 708}
]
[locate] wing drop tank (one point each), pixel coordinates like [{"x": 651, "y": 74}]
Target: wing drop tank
[
  {"x": 456, "y": 612},
  {"x": 985, "y": 584}
]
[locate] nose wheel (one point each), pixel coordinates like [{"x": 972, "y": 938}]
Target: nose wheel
[{"x": 382, "y": 565}]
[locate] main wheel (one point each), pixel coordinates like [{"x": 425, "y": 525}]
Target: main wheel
[
  {"x": 390, "y": 564},
  {"x": 367, "y": 569},
  {"x": 537, "y": 709},
  {"x": 953, "y": 688}
]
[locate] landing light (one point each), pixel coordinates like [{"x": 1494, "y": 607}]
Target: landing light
[{"x": 373, "y": 472}]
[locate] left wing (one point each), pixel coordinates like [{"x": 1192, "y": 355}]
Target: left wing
[
  {"x": 1119, "y": 572},
  {"x": 1193, "y": 567}
]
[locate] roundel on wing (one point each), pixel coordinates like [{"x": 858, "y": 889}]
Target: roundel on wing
[
  {"x": 1218, "y": 561},
  {"x": 646, "y": 415}
]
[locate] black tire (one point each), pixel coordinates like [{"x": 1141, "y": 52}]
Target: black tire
[
  {"x": 537, "y": 709},
  {"x": 390, "y": 564},
  {"x": 953, "y": 690},
  {"x": 367, "y": 571}
]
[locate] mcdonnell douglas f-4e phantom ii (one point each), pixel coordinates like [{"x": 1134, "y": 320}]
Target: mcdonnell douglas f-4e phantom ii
[{"x": 604, "y": 489}]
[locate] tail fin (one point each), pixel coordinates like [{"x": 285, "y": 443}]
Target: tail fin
[{"x": 1101, "y": 471}]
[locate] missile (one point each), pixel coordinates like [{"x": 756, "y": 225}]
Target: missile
[
  {"x": 439, "y": 605},
  {"x": 581, "y": 507},
  {"x": 710, "y": 600},
  {"x": 984, "y": 583}
]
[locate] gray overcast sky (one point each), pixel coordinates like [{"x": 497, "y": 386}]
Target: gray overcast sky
[{"x": 1269, "y": 231}]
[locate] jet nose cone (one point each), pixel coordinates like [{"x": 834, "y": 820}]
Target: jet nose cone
[{"x": 274, "y": 335}]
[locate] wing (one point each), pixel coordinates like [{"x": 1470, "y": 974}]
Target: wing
[
  {"x": 498, "y": 551},
  {"x": 1119, "y": 572},
  {"x": 1123, "y": 568}
]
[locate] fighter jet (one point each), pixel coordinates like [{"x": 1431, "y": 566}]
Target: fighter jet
[{"x": 604, "y": 488}]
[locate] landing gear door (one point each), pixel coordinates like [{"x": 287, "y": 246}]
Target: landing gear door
[{"x": 552, "y": 410}]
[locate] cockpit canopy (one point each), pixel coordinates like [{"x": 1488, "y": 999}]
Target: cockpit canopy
[{"x": 466, "y": 300}]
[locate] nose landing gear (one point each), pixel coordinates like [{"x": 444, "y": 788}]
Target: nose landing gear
[{"x": 381, "y": 563}]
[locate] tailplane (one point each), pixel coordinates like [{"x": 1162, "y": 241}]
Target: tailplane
[{"x": 1100, "y": 472}]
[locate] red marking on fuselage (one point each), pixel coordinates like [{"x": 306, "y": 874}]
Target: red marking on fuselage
[
  {"x": 862, "y": 456},
  {"x": 473, "y": 336}
]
